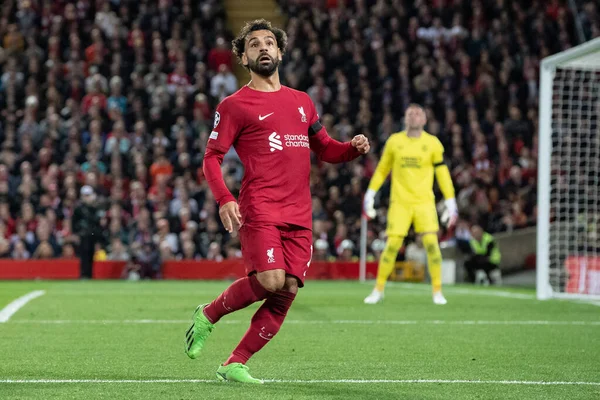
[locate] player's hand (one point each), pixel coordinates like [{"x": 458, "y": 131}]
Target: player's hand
[
  {"x": 452, "y": 210},
  {"x": 361, "y": 143},
  {"x": 369, "y": 204},
  {"x": 231, "y": 216}
]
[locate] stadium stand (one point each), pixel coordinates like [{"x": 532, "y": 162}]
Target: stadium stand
[{"x": 119, "y": 95}]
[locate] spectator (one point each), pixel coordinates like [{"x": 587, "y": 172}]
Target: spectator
[
  {"x": 13, "y": 40},
  {"x": 220, "y": 55},
  {"x": 179, "y": 79},
  {"x": 377, "y": 247},
  {"x": 161, "y": 169},
  {"x": 68, "y": 251},
  {"x": 321, "y": 249},
  {"x": 43, "y": 251},
  {"x": 189, "y": 251},
  {"x": 346, "y": 251},
  {"x": 95, "y": 96},
  {"x": 164, "y": 237},
  {"x": 99, "y": 253},
  {"x": 4, "y": 242},
  {"x": 86, "y": 226},
  {"x": 147, "y": 261},
  {"x": 214, "y": 252},
  {"x": 117, "y": 140},
  {"x": 116, "y": 99},
  {"x": 20, "y": 251},
  {"x": 485, "y": 262},
  {"x": 223, "y": 84}
]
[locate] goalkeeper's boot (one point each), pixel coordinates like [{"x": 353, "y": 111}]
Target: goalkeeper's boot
[
  {"x": 439, "y": 299},
  {"x": 236, "y": 372},
  {"x": 375, "y": 297},
  {"x": 197, "y": 334}
]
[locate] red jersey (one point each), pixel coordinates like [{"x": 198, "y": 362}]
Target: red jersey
[{"x": 272, "y": 133}]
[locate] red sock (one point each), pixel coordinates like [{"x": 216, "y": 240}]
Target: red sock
[
  {"x": 240, "y": 294},
  {"x": 264, "y": 325}
]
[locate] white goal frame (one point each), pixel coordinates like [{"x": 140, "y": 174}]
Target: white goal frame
[{"x": 581, "y": 57}]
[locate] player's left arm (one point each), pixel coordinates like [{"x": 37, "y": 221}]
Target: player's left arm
[
  {"x": 444, "y": 180},
  {"x": 329, "y": 149},
  {"x": 332, "y": 151}
]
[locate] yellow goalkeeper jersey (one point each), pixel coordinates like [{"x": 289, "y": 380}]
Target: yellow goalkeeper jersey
[{"x": 412, "y": 162}]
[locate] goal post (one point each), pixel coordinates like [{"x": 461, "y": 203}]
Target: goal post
[
  {"x": 568, "y": 221},
  {"x": 362, "y": 266}
]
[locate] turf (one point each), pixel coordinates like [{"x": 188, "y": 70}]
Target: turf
[{"x": 92, "y": 331}]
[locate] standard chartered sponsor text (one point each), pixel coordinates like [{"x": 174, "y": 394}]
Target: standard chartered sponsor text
[{"x": 296, "y": 140}]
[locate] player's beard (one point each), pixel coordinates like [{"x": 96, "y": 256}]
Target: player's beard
[{"x": 263, "y": 69}]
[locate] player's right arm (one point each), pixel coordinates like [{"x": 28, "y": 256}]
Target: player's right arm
[
  {"x": 381, "y": 173},
  {"x": 226, "y": 128}
]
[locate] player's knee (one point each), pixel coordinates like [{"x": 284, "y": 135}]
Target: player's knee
[
  {"x": 272, "y": 280},
  {"x": 291, "y": 284},
  {"x": 430, "y": 242},
  {"x": 393, "y": 244}
]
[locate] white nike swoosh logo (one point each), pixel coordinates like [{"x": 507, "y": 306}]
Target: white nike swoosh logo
[{"x": 261, "y": 117}]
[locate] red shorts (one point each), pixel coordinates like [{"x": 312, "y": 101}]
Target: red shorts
[{"x": 270, "y": 247}]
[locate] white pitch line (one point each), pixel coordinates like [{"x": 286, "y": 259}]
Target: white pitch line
[
  {"x": 17, "y": 304},
  {"x": 311, "y": 381},
  {"x": 495, "y": 293},
  {"x": 316, "y": 322}
]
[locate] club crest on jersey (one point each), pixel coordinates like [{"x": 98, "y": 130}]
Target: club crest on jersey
[
  {"x": 302, "y": 114},
  {"x": 217, "y": 119},
  {"x": 270, "y": 255}
]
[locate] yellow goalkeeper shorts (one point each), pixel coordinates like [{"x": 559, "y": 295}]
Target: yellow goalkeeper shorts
[{"x": 402, "y": 216}]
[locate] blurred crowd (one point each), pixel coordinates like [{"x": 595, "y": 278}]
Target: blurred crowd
[
  {"x": 119, "y": 96},
  {"x": 473, "y": 64},
  {"x": 114, "y": 100}
]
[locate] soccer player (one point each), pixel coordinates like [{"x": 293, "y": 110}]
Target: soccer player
[
  {"x": 273, "y": 128},
  {"x": 412, "y": 156}
]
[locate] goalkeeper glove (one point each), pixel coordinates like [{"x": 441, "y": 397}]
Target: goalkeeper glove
[
  {"x": 452, "y": 212},
  {"x": 369, "y": 204}
]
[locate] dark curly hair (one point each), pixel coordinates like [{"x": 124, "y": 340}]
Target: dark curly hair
[{"x": 239, "y": 43}]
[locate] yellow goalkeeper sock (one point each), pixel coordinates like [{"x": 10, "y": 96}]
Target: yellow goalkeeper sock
[
  {"x": 434, "y": 260},
  {"x": 388, "y": 260}
]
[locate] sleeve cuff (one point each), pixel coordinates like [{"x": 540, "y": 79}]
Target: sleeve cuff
[{"x": 225, "y": 199}]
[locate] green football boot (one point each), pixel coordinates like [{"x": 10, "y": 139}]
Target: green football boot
[
  {"x": 197, "y": 334},
  {"x": 236, "y": 372}
]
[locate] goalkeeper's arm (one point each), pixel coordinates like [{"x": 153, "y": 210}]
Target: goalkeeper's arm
[
  {"x": 442, "y": 175},
  {"x": 381, "y": 173}
]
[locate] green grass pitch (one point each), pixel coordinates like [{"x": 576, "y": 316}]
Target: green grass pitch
[{"x": 124, "y": 340}]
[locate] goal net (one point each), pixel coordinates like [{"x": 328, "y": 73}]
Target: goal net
[{"x": 568, "y": 237}]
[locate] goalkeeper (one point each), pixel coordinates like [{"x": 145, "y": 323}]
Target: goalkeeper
[{"x": 412, "y": 156}]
